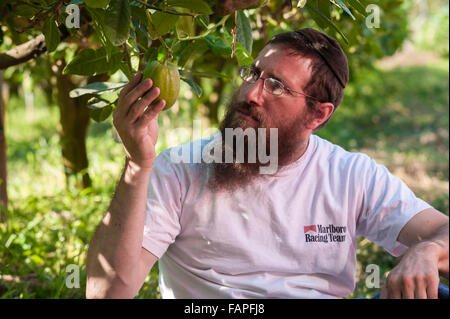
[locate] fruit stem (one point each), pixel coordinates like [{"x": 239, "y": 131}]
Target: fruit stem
[
  {"x": 207, "y": 32},
  {"x": 169, "y": 50}
]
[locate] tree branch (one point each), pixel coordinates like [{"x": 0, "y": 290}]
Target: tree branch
[
  {"x": 166, "y": 11},
  {"x": 23, "y": 52},
  {"x": 29, "y": 50},
  {"x": 226, "y": 7}
]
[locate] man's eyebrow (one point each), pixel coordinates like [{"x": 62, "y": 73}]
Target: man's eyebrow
[{"x": 270, "y": 74}]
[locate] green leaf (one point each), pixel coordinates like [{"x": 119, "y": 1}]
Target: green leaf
[
  {"x": 25, "y": 11},
  {"x": 206, "y": 74},
  {"x": 117, "y": 22},
  {"x": 243, "y": 57},
  {"x": 319, "y": 16},
  {"x": 318, "y": 19},
  {"x": 96, "y": 3},
  {"x": 194, "y": 50},
  {"x": 125, "y": 68},
  {"x": 143, "y": 38},
  {"x": 110, "y": 96},
  {"x": 98, "y": 19},
  {"x": 244, "y": 31},
  {"x": 324, "y": 7},
  {"x": 198, "y": 6},
  {"x": 150, "y": 55},
  {"x": 218, "y": 46},
  {"x": 161, "y": 23},
  {"x": 343, "y": 6},
  {"x": 194, "y": 86},
  {"x": 51, "y": 33},
  {"x": 101, "y": 114},
  {"x": 97, "y": 104},
  {"x": 139, "y": 14},
  {"x": 358, "y": 6},
  {"x": 91, "y": 62},
  {"x": 96, "y": 88},
  {"x": 202, "y": 20}
]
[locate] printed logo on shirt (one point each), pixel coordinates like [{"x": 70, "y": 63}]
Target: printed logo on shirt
[{"x": 324, "y": 234}]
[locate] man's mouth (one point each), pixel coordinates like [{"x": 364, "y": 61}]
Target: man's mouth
[{"x": 246, "y": 115}]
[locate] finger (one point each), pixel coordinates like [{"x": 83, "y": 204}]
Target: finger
[
  {"x": 150, "y": 113},
  {"x": 133, "y": 82},
  {"x": 383, "y": 293},
  {"x": 394, "y": 291},
  {"x": 137, "y": 93},
  {"x": 432, "y": 288},
  {"x": 138, "y": 108},
  {"x": 420, "y": 291},
  {"x": 121, "y": 109},
  {"x": 408, "y": 288},
  {"x": 131, "y": 97}
]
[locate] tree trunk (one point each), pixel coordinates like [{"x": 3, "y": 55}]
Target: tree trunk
[
  {"x": 3, "y": 158},
  {"x": 74, "y": 121}
]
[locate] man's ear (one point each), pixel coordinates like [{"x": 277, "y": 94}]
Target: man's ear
[{"x": 321, "y": 114}]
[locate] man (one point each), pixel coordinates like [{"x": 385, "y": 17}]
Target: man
[{"x": 224, "y": 230}]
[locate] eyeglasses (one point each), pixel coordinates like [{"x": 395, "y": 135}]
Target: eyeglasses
[{"x": 271, "y": 85}]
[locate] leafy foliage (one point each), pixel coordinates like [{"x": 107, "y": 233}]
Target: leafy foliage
[{"x": 126, "y": 35}]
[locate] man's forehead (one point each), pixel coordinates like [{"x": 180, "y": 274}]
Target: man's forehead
[
  {"x": 278, "y": 60},
  {"x": 266, "y": 53}
]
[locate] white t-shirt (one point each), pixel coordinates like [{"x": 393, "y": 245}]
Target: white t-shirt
[{"x": 291, "y": 235}]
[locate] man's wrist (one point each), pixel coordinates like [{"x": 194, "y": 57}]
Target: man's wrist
[
  {"x": 429, "y": 247},
  {"x": 435, "y": 250},
  {"x": 134, "y": 172},
  {"x": 140, "y": 167}
]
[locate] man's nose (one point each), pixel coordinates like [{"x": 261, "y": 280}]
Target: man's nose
[{"x": 254, "y": 92}]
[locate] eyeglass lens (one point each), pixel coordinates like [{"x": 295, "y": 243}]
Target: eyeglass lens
[{"x": 271, "y": 85}]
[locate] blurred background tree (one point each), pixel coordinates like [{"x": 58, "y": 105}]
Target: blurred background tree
[{"x": 395, "y": 109}]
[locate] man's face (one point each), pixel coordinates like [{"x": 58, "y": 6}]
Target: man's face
[
  {"x": 254, "y": 107},
  {"x": 268, "y": 110}
]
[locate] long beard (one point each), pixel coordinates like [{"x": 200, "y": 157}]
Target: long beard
[{"x": 231, "y": 176}]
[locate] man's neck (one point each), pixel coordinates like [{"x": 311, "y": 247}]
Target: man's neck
[{"x": 298, "y": 153}]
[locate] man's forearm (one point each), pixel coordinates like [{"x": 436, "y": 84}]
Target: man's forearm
[{"x": 114, "y": 251}]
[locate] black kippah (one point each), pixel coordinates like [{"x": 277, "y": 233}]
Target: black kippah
[{"x": 330, "y": 51}]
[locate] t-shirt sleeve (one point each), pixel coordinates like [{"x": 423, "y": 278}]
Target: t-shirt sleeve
[
  {"x": 162, "y": 222},
  {"x": 388, "y": 204}
]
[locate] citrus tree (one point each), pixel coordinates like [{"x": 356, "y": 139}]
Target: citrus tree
[{"x": 91, "y": 47}]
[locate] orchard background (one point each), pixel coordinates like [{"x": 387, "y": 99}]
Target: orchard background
[{"x": 60, "y": 77}]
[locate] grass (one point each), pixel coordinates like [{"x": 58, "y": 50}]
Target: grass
[{"x": 399, "y": 117}]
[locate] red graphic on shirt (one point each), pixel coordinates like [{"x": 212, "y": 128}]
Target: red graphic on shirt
[{"x": 311, "y": 227}]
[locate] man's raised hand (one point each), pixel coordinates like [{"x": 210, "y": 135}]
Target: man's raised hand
[{"x": 136, "y": 120}]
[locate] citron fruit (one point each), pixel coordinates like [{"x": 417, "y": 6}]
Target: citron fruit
[
  {"x": 166, "y": 78},
  {"x": 96, "y": 3}
]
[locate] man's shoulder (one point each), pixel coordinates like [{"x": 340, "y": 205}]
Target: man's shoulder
[
  {"x": 335, "y": 150},
  {"x": 338, "y": 156}
]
